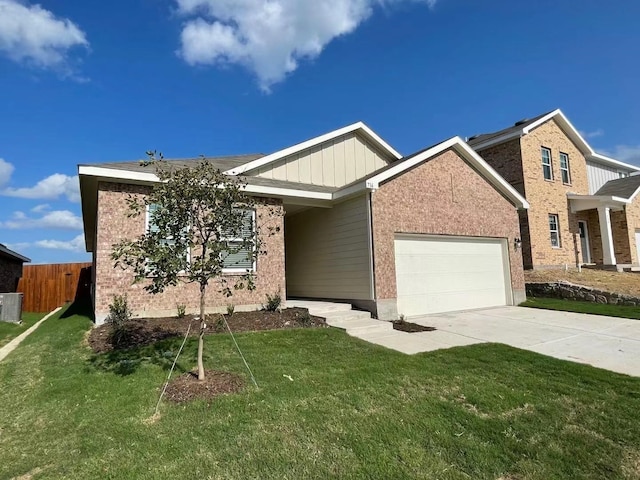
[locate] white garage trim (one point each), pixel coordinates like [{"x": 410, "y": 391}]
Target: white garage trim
[{"x": 441, "y": 273}]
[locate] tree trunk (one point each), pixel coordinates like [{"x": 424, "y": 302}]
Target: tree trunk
[{"x": 201, "y": 338}]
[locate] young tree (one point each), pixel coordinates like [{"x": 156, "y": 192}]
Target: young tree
[{"x": 200, "y": 221}]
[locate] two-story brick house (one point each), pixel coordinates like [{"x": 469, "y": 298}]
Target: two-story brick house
[{"x": 584, "y": 207}]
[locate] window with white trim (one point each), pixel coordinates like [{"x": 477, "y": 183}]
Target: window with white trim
[
  {"x": 564, "y": 168},
  {"x": 240, "y": 259},
  {"x": 547, "y": 169},
  {"x": 554, "y": 230}
]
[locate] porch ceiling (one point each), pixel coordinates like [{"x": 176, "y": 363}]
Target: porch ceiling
[{"x": 580, "y": 203}]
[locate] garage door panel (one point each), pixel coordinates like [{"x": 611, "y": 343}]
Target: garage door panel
[{"x": 442, "y": 274}]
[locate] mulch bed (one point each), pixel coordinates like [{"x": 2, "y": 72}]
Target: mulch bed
[
  {"x": 409, "y": 327},
  {"x": 187, "y": 387},
  {"x": 146, "y": 331}
]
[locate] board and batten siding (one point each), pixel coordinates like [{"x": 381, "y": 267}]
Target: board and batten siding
[
  {"x": 599, "y": 174},
  {"x": 334, "y": 163},
  {"x": 328, "y": 252}
]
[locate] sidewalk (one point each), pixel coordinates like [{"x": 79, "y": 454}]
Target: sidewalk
[{"x": 11, "y": 346}]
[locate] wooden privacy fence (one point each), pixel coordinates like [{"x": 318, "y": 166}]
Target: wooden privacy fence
[{"x": 46, "y": 287}]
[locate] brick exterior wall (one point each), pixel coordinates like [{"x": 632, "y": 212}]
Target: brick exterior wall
[
  {"x": 113, "y": 225},
  {"x": 10, "y": 273},
  {"x": 441, "y": 196},
  {"x": 548, "y": 197}
]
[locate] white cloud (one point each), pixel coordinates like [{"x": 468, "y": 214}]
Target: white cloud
[
  {"x": 41, "y": 208},
  {"x": 6, "y": 170},
  {"x": 624, "y": 153},
  {"x": 60, "y": 219},
  {"x": 269, "y": 37},
  {"x": 34, "y": 35},
  {"x": 594, "y": 134},
  {"x": 74, "y": 245},
  {"x": 52, "y": 187}
]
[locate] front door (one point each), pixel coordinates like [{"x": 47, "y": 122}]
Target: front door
[{"x": 584, "y": 241}]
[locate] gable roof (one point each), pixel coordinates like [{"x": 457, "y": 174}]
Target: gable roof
[
  {"x": 626, "y": 188},
  {"x": 375, "y": 179},
  {"x": 7, "y": 253},
  {"x": 523, "y": 127},
  {"x": 357, "y": 127}
]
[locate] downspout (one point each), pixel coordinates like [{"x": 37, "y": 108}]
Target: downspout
[{"x": 371, "y": 250}]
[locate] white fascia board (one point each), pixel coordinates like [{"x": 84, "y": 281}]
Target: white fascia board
[
  {"x": 635, "y": 194},
  {"x": 116, "y": 174},
  {"x": 596, "y": 157},
  {"x": 287, "y": 192},
  {"x": 542, "y": 120},
  {"x": 312, "y": 143},
  {"x": 352, "y": 190},
  {"x": 467, "y": 152},
  {"x": 598, "y": 198}
]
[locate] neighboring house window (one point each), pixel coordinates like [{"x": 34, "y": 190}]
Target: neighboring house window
[
  {"x": 547, "y": 170},
  {"x": 241, "y": 260},
  {"x": 554, "y": 230},
  {"x": 622, "y": 174},
  {"x": 152, "y": 227},
  {"x": 564, "y": 168}
]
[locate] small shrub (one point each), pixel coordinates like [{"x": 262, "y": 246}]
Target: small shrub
[
  {"x": 219, "y": 325},
  {"x": 119, "y": 316},
  {"x": 230, "y": 309},
  {"x": 182, "y": 310},
  {"x": 402, "y": 318},
  {"x": 273, "y": 302},
  {"x": 305, "y": 319}
]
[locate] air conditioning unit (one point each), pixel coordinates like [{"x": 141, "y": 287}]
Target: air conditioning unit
[{"x": 10, "y": 307}]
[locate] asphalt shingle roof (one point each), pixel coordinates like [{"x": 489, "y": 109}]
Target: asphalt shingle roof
[
  {"x": 478, "y": 139},
  {"x": 620, "y": 187},
  {"x": 222, "y": 163}
]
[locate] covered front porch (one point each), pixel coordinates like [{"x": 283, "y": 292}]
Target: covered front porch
[{"x": 603, "y": 230}]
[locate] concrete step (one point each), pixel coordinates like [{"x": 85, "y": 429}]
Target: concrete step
[
  {"x": 346, "y": 316},
  {"x": 362, "y": 326},
  {"x": 318, "y": 308}
]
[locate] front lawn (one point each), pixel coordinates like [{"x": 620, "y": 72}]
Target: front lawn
[
  {"x": 9, "y": 331},
  {"x": 583, "y": 307},
  {"x": 350, "y": 410}
]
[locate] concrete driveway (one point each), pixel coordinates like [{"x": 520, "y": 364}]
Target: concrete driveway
[{"x": 606, "y": 342}]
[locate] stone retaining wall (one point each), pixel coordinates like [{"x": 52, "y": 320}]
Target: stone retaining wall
[{"x": 571, "y": 291}]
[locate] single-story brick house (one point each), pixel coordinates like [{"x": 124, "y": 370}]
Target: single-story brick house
[
  {"x": 431, "y": 232},
  {"x": 10, "y": 269}
]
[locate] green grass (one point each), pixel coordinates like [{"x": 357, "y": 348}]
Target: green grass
[
  {"x": 353, "y": 410},
  {"x": 9, "y": 331},
  {"x": 583, "y": 307}
]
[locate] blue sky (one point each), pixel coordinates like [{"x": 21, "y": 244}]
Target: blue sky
[{"x": 85, "y": 82}]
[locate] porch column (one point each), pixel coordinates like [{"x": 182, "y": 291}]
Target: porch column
[{"x": 608, "y": 254}]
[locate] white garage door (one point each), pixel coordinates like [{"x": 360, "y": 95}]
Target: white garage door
[{"x": 444, "y": 274}]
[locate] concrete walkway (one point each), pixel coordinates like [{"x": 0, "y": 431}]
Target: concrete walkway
[{"x": 11, "y": 346}]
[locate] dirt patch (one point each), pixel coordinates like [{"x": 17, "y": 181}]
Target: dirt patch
[
  {"x": 187, "y": 387},
  {"x": 404, "y": 326},
  {"x": 617, "y": 282},
  {"x": 146, "y": 331}
]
